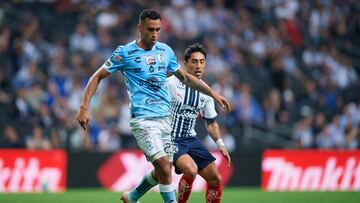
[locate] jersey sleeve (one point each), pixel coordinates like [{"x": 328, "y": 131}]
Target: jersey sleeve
[
  {"x": 116, "y": 61},
  {"x": 209, "y": 112},
  {"x": 173, "y": 61}
]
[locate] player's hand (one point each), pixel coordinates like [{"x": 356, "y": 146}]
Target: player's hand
[
  {"x": 83, "y": 118},
  {"x": 225, "y": 154},
  {"x": 224, "y": 103}
]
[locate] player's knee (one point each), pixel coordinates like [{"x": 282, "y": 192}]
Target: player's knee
[
  {"x": 191, "y": 174},
  {"x": 190, "y": 171},
  {"x": 215, "y": 179},
  {"x": 162, "y": 167}
]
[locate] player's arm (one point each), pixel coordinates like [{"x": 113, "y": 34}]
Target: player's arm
[
  {"x": 213, "y": 129},
  {"x": 193, "y": 82},
  {"x": 82, "y": 116}
]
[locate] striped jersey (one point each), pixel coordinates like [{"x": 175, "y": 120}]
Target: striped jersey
[{"x": 185, "y": 106}]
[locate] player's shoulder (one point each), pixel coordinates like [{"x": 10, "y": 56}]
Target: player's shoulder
[
  {"x": 126, "y": 47},
  {"x": 173, "y": 82},
  {"x": 206, "y": 97},
  {"x": 172, "y": 78},
  {"x": 160, "y": 46}
]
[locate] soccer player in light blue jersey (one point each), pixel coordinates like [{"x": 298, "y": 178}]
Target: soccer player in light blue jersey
[{"x": 143, "y": 63}]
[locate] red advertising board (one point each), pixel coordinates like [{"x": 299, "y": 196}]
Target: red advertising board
[
  {"x": 311, "y": 170},
  {"x": 32, "y": 171},
  {"x": 124, "y": 169}
]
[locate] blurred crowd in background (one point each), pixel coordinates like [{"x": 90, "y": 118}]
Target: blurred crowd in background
[{"x": 288, "y": 67}]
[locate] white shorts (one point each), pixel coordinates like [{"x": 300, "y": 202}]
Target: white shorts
[{"x": 153, "y": 135}]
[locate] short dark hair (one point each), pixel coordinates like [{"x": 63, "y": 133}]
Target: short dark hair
[
  {"x": 193, "y": 48},
  {"x": 149, "y": 13}
]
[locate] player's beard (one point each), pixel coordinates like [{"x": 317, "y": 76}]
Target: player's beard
[
  {"x": 149, "y": 43},
  {"x": 153, "y": 42}
]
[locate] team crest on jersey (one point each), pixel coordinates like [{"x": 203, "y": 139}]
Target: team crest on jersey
[
  {"x": 150, "y": 60},
  {"x": 117, "y": 58},
  {"x": 160, "y": 57}
]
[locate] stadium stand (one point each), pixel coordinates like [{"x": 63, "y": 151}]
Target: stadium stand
[{"x": 290, "y": 69}]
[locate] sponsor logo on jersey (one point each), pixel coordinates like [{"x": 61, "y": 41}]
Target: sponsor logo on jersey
[
  {"x": 137, "y": 70},
  {"x": 150, "y": 60},
  {"x": 161, "y": 67},
  {"x": 188, "y": 111},
  {"x": 152, "y": 101},
  {"x": 160, "y": 49},
  {"x": 108, "y": 63},
  {"x": 132, "y": 51},
  {"x": 152, "y": 83},
  {"x": 138, "y": 59}
]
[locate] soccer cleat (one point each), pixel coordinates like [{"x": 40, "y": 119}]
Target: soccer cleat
[{"x": 125, "y": 197}]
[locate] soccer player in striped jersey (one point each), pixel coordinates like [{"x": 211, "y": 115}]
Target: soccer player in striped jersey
[
  {"x": 144, "y": 63},
  {"x": 192, "y": 157}
]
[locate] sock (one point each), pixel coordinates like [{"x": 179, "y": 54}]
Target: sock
[
  {"x": 168, "y": 193},
  {"x": 213, "y": 194},
  {"x": 184, "y": 189},
  {"x": 146, "y": 183}
]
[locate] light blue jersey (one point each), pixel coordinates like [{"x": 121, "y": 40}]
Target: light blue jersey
[{"x": 145, "y": 76}]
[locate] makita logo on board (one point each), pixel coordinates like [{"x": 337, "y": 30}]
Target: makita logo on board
[
  {"x": 28, "y": 177},
  {"x": 32, "y": 171},
  {"x": 320, "y": 172}
]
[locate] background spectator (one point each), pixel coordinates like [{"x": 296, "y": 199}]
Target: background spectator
[
  {"x": 270, "y": 58},
  {"x": 11, "y": 138}
]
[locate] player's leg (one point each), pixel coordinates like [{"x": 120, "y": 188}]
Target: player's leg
[
  {"x": 163, "y": 168},
  {"x": 199, "y": 155},
  {"x": 145, "y": 140},
  {"x": 148, "y": 134},
  {"x": 207, "y": 169},
  {"x": 188, "y": 167},
  {"x": 163, "y": 172},
  {"x": 147, "y": 182},
  {"x": 213, "y": 178}
]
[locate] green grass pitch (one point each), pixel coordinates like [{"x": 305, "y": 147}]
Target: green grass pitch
[{"x": 230, "y": 195}]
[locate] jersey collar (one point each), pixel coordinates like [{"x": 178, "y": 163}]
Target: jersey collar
[{"x": 135, "y": 44}]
